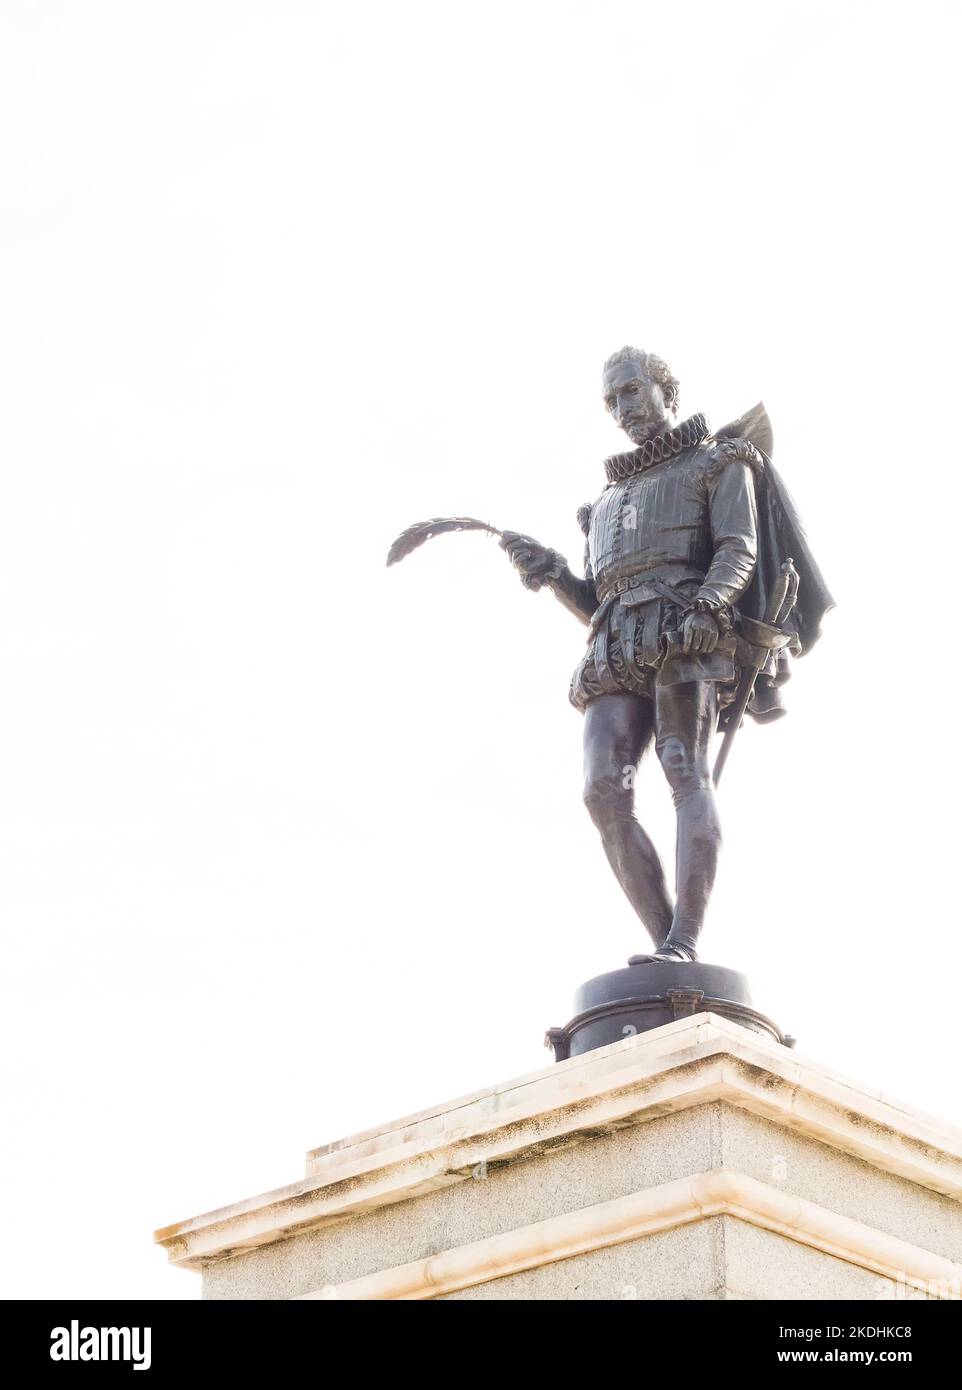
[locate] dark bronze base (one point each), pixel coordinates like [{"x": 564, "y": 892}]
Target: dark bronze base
[{"x": 623, "y": 1002}]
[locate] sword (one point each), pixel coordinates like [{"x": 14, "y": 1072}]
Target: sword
[{"x": 781, "y": 601}]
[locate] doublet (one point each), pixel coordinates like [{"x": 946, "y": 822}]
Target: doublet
[{"x": 665, "y": 533}]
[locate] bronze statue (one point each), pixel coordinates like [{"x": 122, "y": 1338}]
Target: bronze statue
[{"x": 698, "y": 588}]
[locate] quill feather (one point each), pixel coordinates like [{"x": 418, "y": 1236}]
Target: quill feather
[{"x": 423, "y": 531}]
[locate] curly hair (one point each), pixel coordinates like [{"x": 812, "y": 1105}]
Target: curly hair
[{"x": 653, "y": 367}]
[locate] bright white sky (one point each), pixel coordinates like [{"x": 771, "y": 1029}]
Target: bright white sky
[{"x": 293, "y": 844}]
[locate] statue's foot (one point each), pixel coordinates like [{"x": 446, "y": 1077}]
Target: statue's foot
[{"x": 665, "y": 953}]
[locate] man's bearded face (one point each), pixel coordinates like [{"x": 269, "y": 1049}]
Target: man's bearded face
[{"x": 636, "y": 403}]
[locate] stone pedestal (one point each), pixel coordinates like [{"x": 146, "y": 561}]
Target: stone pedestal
[{"x": 697, "y": 1160}]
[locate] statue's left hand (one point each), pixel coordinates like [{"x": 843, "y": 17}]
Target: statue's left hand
[{"x": 699, "y": 633}]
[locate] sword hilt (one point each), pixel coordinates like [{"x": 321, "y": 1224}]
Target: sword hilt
[
  {"x": 780, "y": 592},
  {"x": 781, "y": 601}
]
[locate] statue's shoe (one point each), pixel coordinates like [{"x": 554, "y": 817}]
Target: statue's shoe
[{"x": 664, "y": 953}]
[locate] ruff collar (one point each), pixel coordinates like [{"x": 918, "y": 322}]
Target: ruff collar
[{"x": 690, "y": 432}]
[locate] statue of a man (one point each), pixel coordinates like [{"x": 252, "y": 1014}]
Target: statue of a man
[{"x": 683, "y": 546}]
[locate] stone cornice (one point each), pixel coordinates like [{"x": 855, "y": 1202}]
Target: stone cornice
[
  {"x": 719, "y": 1192},
  {"x": 693, "y": 1061}
]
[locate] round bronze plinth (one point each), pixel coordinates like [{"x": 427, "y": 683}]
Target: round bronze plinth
[{"x": 641, "y": 997}]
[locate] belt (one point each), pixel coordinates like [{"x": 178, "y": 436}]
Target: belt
[
  {"x": 654, "y": 580},
  {"x": 620, "y": 586}
]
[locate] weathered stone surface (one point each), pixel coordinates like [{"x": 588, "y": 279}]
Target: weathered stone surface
[{"x": 694, "y": 1161}]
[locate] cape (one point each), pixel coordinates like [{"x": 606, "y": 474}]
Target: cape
[{"x": 781, "y": 536}]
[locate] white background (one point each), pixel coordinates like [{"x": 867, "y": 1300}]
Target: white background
[{"x": 291, "y": 843}]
